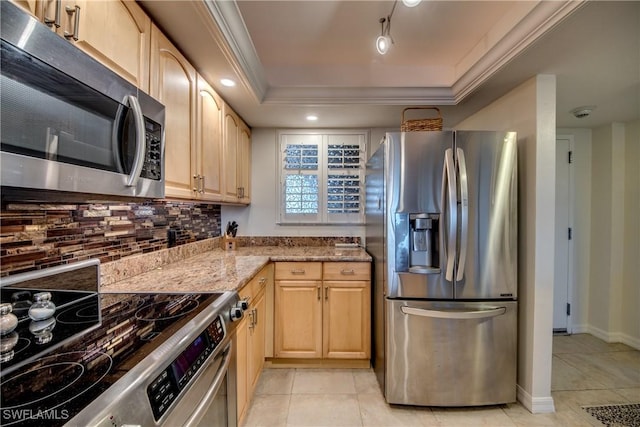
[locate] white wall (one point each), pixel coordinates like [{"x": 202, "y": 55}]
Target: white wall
[
  {"x": 614, "y": 287},
  {"x": 630, "y": 315},
  {"x": 530, "y": 110},
  {"x": 260, "y": 217}
]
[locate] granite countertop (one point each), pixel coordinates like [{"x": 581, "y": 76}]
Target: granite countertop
[{"x": 218, "y": 270}]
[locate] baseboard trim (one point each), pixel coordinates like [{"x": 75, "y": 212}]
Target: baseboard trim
[
  {"x": 535, "y": 405},
  {"x": 317, "y": 363},
  {"x": 612, "y": 337}
]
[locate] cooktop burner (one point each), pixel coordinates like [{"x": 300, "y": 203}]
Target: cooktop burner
[
  {"x": 57, "y": 381},
  {"x": 52, "y": 388}
]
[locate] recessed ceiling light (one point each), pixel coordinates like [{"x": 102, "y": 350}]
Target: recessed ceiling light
[
  {"x": 227, "y": 82},
  {"x": 411, "y": 3},
  {"x": 312, "y": 117}
]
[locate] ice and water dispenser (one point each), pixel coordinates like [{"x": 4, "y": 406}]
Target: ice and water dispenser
[{"x": 423, "y": 243}]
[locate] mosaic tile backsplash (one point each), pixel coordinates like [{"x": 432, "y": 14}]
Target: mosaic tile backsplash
[{"x": 36, "y": 235}]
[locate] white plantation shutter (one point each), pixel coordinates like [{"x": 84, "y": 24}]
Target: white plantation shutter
[
  {"x": 322, "y": 176},
  {"x": 300, "y": 178}
]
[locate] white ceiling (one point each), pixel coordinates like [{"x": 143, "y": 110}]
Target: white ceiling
[{"x": 292, "y": 58}]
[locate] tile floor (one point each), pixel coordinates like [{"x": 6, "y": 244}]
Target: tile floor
[{"x": 586, "y": 371}]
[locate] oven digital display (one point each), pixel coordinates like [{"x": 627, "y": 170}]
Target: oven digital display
[{"x": 183, "y": 363}]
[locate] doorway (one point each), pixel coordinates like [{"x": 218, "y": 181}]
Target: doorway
[{"x": 563, "y": 274}]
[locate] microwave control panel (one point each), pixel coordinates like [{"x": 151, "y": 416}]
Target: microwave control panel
[{"x": 152, "y": 168}]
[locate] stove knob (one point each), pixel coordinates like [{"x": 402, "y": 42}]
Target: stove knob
[
  {"x": 243, "y": 304},
  {"x": 235, "y": 314}
]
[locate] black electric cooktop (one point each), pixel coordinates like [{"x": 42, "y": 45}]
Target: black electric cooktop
[{"x": 95, "y": 340}]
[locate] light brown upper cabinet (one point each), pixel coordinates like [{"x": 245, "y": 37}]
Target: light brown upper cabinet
[
  {"x": 208, "y": 168},
  {"x": 174, "y": 83},
  {"x": 237, "y": 156},
  {"x": 114, "y": 32}
]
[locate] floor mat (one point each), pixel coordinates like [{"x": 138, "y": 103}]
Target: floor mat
[{"x": 627, "y": 415}]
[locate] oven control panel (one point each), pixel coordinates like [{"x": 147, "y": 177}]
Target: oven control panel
[{"x": 166, "y": 387}]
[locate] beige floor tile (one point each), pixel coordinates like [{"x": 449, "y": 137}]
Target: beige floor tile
[
  {"x": 376, "y": 412},
  {"x": 268, "y": 411},
  {"x": 275, "y": 381},
  {"x": 569, "y": 344},
  {"x": 521, "y": 417},
  {"x": 568, "y": 377},
  {"x": 577, "y": 399},
  {"x": 631, "y": 394},
  {"x": 594, "y": 344},
  {"x": 612, "y": 369},
  {"x": 325, "y": 410},
  {"x": 586, "y": 372},
  {"x": 477, "y": 416},
  {"x": 366, "y": 382},
  {"x": 323, "y": 381}
]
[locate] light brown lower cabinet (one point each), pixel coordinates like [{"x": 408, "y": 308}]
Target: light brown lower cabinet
[
  {"x": 250, "y": 339},
  {"x": 322, "y": 310}
]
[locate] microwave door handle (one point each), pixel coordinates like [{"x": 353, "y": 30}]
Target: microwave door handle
[
  {"x": 141, "y": 146},
  {"x": 115, "y": 137},
  {"x": 464, "y": 213}
]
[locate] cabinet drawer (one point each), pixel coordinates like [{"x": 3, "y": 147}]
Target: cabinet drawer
[
  {"x": 346, "y": 271},
  {"x": 255, "y": 285},
  {"x": 298, "y": 271}
]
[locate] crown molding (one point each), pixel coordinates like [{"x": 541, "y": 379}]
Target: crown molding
[
  {"x": 542, "y": 18},
  {"x": 232, "y": 37},
  {"x": 240, "y": 51}
]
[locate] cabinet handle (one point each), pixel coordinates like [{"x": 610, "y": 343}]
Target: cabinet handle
[
  {"x": 319, "y": 296},
  {"x": 326, "y": 293},
  {"x": 262, "y": 280},
  {"x": 298, "y": 271},
  {"x": 196, "y": 182},
  {"x": 251, "y": 319},
  {"x": 56, "y": 20},
  {"x": 70, "y": 11},
  {"x": 202, "y": 183},
  {"x": 255, "y": 316},
  {"x": 347, "y": 272}
]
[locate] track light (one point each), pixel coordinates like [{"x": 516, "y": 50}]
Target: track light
[{"x": 384, "y": 41}]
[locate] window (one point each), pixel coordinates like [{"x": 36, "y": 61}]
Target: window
[{"x": 321, "y": 177}]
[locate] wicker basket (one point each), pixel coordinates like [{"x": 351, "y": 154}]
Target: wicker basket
[{"x": 415, "y": 125}]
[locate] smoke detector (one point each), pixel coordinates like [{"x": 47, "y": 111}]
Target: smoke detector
[{"x": 582, "y": 112}]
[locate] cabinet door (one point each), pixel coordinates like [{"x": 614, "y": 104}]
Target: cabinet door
[
  {"x": 115, "y": 32},
  {"x": 242, "y": 394},
  {"x": 173, "y": 83},
  {"x": 256, "y": 341},
  {"x": 35, "y": 8},
  {"x": 298, "y": 319},
  {"x": 209, "y": 135},
  {"x": 231, "y": 132},
  {"x": 244, "y": 164},
  {"x": 346, "y": 319}
]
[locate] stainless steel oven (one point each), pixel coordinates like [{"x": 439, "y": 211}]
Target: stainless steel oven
[
  {"x": 69, "y": 123},
  {"x": 146, "y": 359}
]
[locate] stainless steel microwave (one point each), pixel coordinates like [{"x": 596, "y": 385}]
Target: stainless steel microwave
[{"x": 70, "y": 124}]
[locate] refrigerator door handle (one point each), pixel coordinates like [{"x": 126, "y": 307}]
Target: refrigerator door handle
[
  {"x": 449, "y": 191},
  {"x": 444, "y": 314},
  {"x": 464, "y": 213}
]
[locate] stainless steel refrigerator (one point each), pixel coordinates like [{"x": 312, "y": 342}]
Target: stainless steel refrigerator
[{"x": 441, "y": 226}]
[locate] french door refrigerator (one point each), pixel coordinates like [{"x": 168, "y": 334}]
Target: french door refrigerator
[{"x": 441, "y": 226}]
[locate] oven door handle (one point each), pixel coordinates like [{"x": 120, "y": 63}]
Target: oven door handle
[{"x": 206, "y": 401}]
